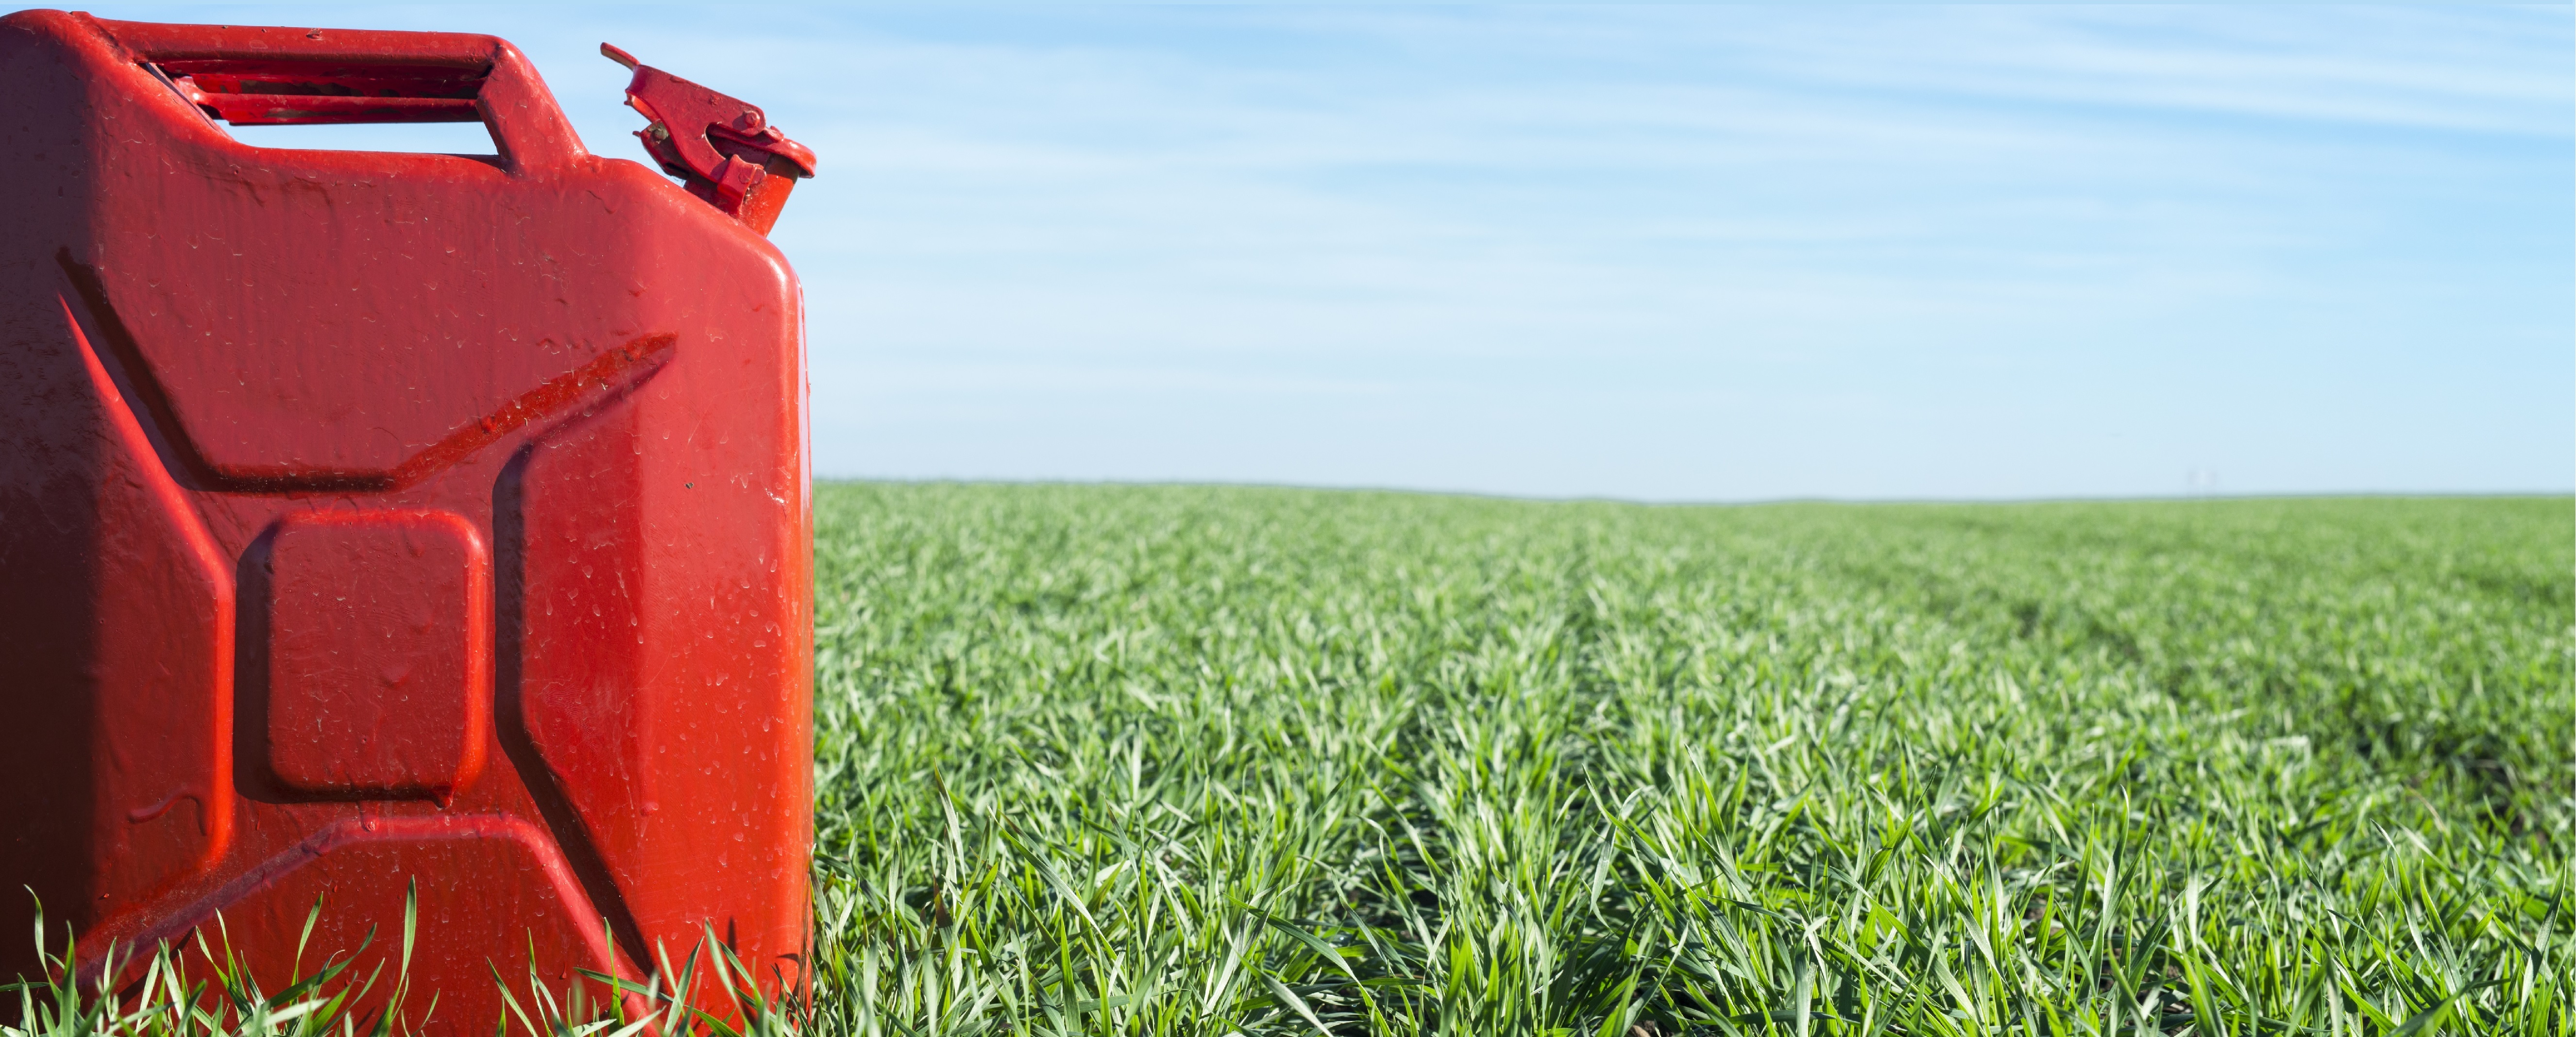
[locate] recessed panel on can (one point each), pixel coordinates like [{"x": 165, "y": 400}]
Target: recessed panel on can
[{"x": 379, "y": 661}]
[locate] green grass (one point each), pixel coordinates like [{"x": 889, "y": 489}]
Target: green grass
[
  {"x": 1174, "y": 760},
  {"x": 1212, "y": 761}
]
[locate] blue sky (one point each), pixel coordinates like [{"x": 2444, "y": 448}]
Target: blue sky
[{"x": 1663, "y": 253}]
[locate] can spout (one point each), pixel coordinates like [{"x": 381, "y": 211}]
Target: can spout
[{"x": 723, "y": 149}]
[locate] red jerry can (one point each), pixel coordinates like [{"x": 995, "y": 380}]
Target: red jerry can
[{"x": 374, "y": 519}]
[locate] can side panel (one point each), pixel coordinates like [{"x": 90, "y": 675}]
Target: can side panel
[
  {"x": 48, "y": 508},
  {"x": 362, "y": 870},
  {"x": 700, "y": 512},
  {"x": 354, "y": 320},
  {"x": 116, "y": 609}
]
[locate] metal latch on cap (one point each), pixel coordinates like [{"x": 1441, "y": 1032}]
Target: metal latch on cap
[{"x": 723, "y": 149}]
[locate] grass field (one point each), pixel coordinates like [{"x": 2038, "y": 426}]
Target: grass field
[
  {"x": 1212, "y": 761},
  {"x": 1174, "y": 760}
]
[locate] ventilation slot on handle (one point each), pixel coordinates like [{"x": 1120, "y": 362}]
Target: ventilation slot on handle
[{"x": 288, "y": 93}]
